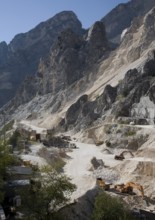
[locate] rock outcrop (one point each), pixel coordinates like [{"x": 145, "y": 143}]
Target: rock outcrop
[
  {"x": 83, "y": 113},
  {"x": 139, "y": 36}
]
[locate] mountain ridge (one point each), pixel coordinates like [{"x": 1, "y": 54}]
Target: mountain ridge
[
  {"x": 22, "y": 55},
  {"x": 125, "y": 55}
]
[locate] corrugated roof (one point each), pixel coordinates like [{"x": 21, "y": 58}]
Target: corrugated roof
[{"x": 21, "y": 170}]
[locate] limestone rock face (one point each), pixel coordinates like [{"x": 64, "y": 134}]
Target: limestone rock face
[
  {"x": 122, "y": 16},
  {"x": 66, "y": 53},
  {"x": 120, "y": 100},
  {"x": 22, "y": 56},
  {"x": 71, "y": 59},
  {"x": 75, "y": 109},
  {"x": 138, "y": 38},
  {"x": 64, "y": 64},
  {"x": 133, "y": 88}
]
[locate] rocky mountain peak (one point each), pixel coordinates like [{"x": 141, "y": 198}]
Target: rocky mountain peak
[
  {"x": 97, "y": 36},
  {"x": 21, "y": 57},
  {"x": 71, "y": 57},
  {"x": 67, "y": 39},
  {"x": 96, "y": 29},
  {"x": 61, "y": 21}
]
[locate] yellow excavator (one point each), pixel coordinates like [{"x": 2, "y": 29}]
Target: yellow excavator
[
  {"x": 128, "y": 188},
  {"x": 102, "y": 184}
]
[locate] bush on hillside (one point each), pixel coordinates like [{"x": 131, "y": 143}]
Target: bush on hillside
[{"x": 109, "y": 208}]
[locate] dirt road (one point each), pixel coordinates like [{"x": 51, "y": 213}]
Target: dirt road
[{"x": 79, "y": 165}]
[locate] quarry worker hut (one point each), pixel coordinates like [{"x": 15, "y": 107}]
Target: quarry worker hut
[{"x": 19, "y": 172}]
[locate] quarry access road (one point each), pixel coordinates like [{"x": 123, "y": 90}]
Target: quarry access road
[{"x": 79, "y": 167}]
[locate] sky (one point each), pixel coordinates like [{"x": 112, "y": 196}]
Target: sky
[{"x": 20, "y": 16}]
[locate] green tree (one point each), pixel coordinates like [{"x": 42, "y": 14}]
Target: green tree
[
  {"x": 6, "y": 159},
  {"x": 47, "y": 194},
  {"x": 14, "y": 139},
  {"x": 109, "y": 208}
]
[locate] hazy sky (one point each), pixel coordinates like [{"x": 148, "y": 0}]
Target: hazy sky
[{"x": 19, "y": 16}]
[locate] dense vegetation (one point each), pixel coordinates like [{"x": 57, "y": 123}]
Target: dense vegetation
[
  {"x": 6, "y": 159},
  {"x": 110, "y": 208},
  {"x": 47, "y": 194}
]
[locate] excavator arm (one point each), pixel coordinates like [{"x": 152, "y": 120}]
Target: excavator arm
[
  {"x": 135, "y": 186},
  {"x": 121, "y": 156},
  {"x": 128, "y": 188}
]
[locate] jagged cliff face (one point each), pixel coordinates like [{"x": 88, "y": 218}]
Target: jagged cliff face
[
  {"x": 22, "y": 56},
  {"x": 122, "y": 16},
  {"x": 71, "y": 59},
  {"x": 119, "y": 101}
]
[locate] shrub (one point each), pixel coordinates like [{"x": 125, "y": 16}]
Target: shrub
[
  {"x": 14, "y": 138},
  {"x": 47, "y": 195},
  {"x": 109, "y": 208}
]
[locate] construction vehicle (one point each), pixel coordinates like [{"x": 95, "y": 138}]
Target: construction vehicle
[
  {"x": 121, "y": 156},
  {"x": 128, "y": 188},
  {"x": 102, "y": 184}
]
